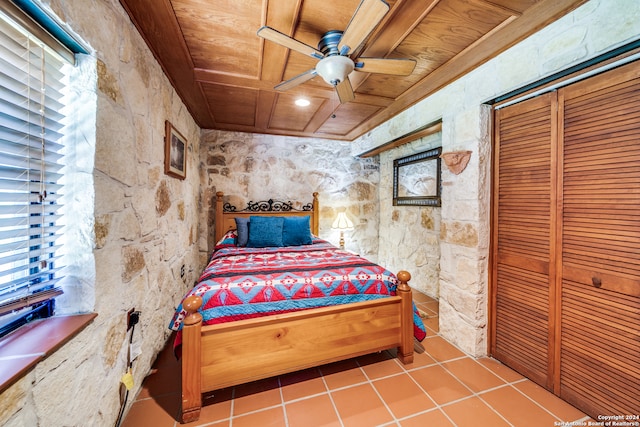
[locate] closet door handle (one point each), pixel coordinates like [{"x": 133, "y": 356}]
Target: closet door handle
[{"x": 597, "y": 282}]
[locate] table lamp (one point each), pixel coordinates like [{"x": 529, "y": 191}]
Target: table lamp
[{"x": 342, "y": 222}]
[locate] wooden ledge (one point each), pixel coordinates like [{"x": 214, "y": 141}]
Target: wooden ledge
[{"x": 22, "y": 349}]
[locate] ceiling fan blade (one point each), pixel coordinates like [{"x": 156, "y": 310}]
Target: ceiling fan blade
[
  {"x": 399, "y": 67},
  {"x": 364, "y": 20},
  {"x": 282, "y": 39},
  {"x": 345, "y": 91},
  {"x": 297, "y": 80}
]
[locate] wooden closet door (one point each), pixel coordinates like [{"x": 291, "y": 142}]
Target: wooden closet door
[
  {"x": 523, "y": 231},
  {"x": 600, "y": 329}
]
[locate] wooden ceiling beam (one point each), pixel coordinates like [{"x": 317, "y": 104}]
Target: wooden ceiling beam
[
  {"x": 404, "y": 17},
  {"x": 253, "y": 129},
  {"x": 282, "y": 15},
  {"x": 426, "y": 130},
  {"x": 532, "y": 20},
  {"x": 321, "y": 116},
  {"x": 264, "y": 108},
  {"x": 224, "y": 79},
  {"x": 500, "y": 8}
]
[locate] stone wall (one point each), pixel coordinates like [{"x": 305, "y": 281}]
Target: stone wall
[
  {"x": 409, "y": 235},
  {"x": 592, "y": 29},
  {"x": 136, "y": 227},
  {"x": 253, "y": 167}
]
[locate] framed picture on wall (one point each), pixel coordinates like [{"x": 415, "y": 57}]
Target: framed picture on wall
[
  {"x": 175, "y": 152},
  {"x": 416, "y": 179}
]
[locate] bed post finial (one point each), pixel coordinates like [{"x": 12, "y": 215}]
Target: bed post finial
[
  {"x": 404, "y": 277},
  {"x": 405, "y": 350}
]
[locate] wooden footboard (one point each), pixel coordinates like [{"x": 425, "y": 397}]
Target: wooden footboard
[{"x": 224, "y": 355}]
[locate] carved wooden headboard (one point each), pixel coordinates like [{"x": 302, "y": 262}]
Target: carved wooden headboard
[{"x": 225, "y": 213}]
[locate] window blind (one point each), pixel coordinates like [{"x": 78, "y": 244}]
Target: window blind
[{"x": 31, "y": 125}]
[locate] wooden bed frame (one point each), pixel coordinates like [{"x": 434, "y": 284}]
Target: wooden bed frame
[{"x": 224, "y": 355}]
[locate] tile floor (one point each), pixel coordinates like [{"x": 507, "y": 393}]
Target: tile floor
[{"x": 442, "y": 387}]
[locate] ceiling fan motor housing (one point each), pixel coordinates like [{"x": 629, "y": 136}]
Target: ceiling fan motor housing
[
  {"x": 328, "y": 44},
  {"x": 333, "y": 68}
]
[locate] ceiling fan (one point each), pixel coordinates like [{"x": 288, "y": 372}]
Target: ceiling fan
[{"x": 333, "y": 51}]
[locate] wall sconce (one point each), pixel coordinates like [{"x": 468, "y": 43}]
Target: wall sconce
[{"x": 342, "y": 223}]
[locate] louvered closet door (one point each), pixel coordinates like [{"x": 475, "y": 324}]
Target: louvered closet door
[
  {"x": 522, "y": 227},
  {"x": 600, "y": 329}
]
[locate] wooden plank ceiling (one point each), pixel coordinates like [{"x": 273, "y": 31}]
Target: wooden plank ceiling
[{"x": 225, "y": 73}]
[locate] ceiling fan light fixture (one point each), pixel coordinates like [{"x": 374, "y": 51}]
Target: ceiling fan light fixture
[{"x": 334, "y": 69}]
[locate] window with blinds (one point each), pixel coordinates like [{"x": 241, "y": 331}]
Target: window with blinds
[{"x": 32, "y": 105}]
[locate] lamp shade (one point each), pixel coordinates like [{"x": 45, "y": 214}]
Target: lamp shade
[
  {"x": 342, "y": 222},
  {"x": 334, "y": 69}
]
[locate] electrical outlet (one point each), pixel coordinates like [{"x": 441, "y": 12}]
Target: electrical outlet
[{"x": 130, "y": 313}]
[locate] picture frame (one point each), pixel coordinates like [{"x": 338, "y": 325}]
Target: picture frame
[
  {"x": 416, "y": 179},
  {"x": 175, "y": 152}
]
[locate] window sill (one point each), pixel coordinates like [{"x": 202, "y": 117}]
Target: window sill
[{"x": 21, "y": 350}]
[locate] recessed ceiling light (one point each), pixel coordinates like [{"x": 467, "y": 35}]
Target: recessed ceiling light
[{"x": 301, "y": 102}]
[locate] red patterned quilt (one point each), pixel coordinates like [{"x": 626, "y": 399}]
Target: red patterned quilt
[{"x": 241, "y": 282}]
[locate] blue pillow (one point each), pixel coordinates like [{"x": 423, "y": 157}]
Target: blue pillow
[
  {"x": 242, "y": 225},
  {"x": 265, "y": 231},
  {"x": 296, "y": 231}
]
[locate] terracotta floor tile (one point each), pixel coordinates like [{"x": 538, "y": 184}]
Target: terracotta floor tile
[
  {"x": 558, "y": 407},
  {"x": 439, "y": 384},
  {"x": 302, "y": 389},
  {"x": 435, "y": 418},
  {"x": 473, "y": 412},
  {"x": 301, "y": 384},
  {"x": 432, "y": 324},
  {"x": 427, "y": 309},
  {"x": 273, "y": 417},
  {"x": 433, "y": 306},
  {"x": 378, "y": 365},
  {"x": 215, "y": 406},
  {"x": 472, "y": 374},
  {"x": 360, "y": 406},
  {"x": 420, "y": 360},
  {"x": 342, "y": 374},
  {"x": 256, "y": 395},
  {"x": 315, "y": 411},
  {"x": 440, "y": 349},
  {"x": 518, "y": 409},
  {"x": 502, "y": 371},
  {"x": 421, "y": 297},
  {"x": 225, "y": 423},
  {"x": 402, "y": 395},
  {"x": 157, "y": 412},
  {"x": 161, "y": 382}
]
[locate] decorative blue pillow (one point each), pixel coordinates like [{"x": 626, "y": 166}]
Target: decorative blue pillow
[
  {"x": 265, "y": 231},
  {"x": 296, "y": 231},
  {"x": 242, "y": 225}
]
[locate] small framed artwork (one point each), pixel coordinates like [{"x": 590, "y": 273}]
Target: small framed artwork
[
  {"x": 416, "y": 179},
  {"x": 175, "y": 152}
]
